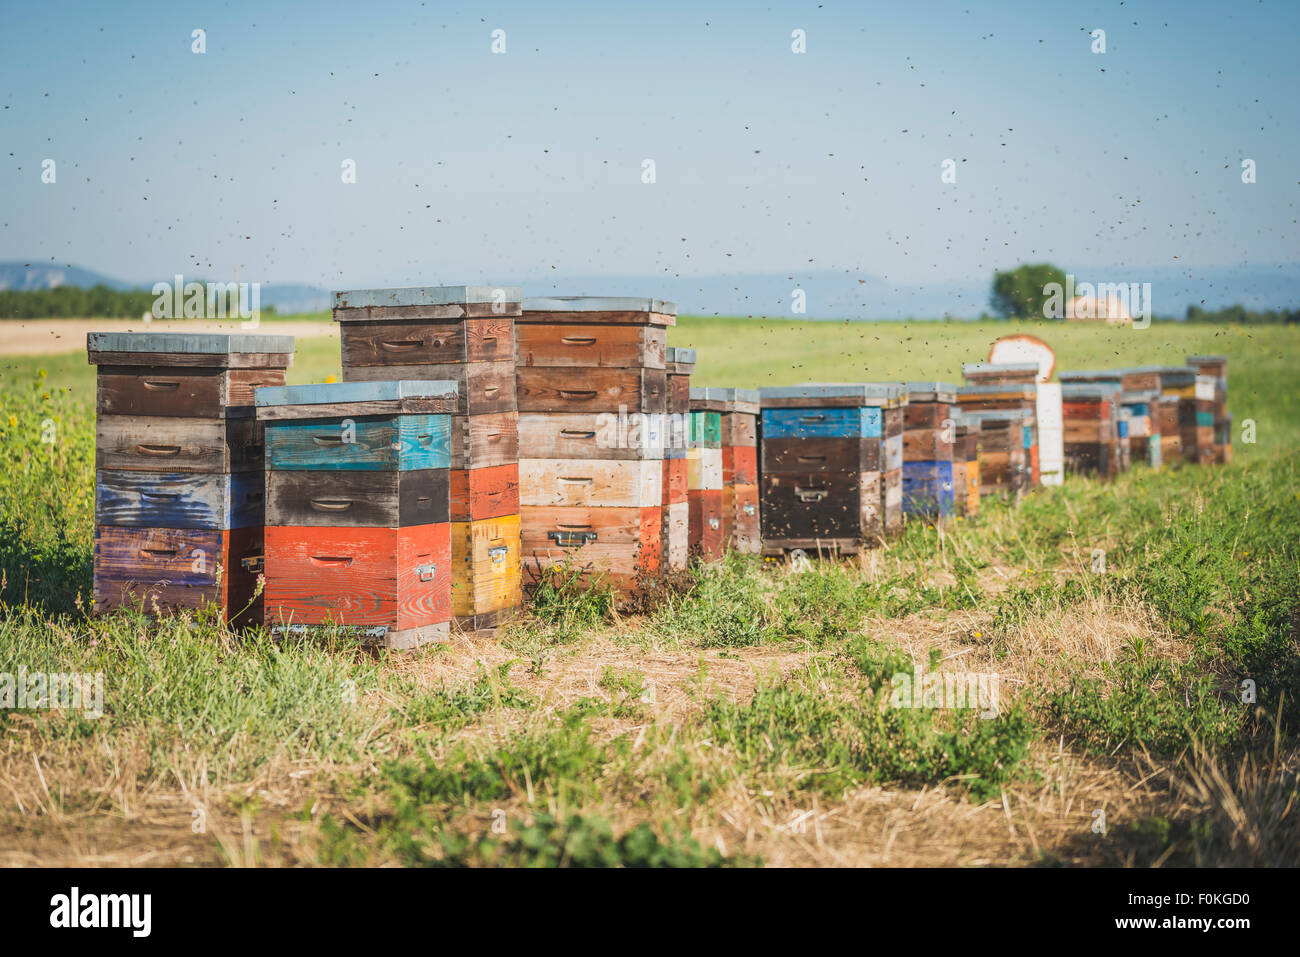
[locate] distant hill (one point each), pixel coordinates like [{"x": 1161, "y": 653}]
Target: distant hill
[{"x": 830, "y": 295}]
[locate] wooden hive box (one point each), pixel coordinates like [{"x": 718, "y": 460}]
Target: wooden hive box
[
  {"x": 1004, "y": 461},
  {"x": 817, "y": 441},
  {"x": 739, "y": 447},
  {"x": 358, "y": 536},
  {"x": 1143, "y": 426},
  {"x": 930, "y": 485},
  {"x": 1092, "y": 439},
  {"x": 1179, "y": 382},
  {"x": 706, "y": 535},
  {"x": 179, "y": 492},
  {"x": 595, "y": 465},
  {"x": 1000, "y": 373}
]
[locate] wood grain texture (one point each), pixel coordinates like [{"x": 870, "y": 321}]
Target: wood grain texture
[
  {"x": 178, "y": 360},
  {"x": 209, "y": 500},
  {"x": 156, "y": 443},
  {"x": 675, "y": 535},
  {"x": 175, "y": 569},
  {"x": 483, "y": 441},
  {"x": 704, "y": 469},
  {"x": 927, "y": 445},
  {"x": 928, "y": 488},
  {"x": 484, "y": 493},
  {"x": 820, "y": 505},
  {"x": 483, "y": 387},
  {"x": 365, "y": 577},
  {"x": 706, "y": 429},
  {"x": 428, "y": 312},
  {"x": 674, "y": 481},
  {"x": 740, "y": 465},
  {"x": 591, "y": 482},
  {"x": 610, "y": 317},
  {"x": 622, "y": 542},
  {"x": 591, "y": 390},
  {"x": 822, "y": 454},
  {"x": 591, "y": 346},
  {"x": 739, "y": 428},
  {"x": 740, "y": 518},
  {"x": 426, "y": 343},
  {"x": 486, "y": 566},
  {"x": 704, "y": 521},
  {"x": 679, "y": 394},
  {"x": 190, "y": 393},
  {"x": 370, "y": 443},
  {"x": 354, "y": 498},
  {"x": 927, "y": 415},
  {"x": 827, "y": 423},
  {"x": 591, "y": 435}
]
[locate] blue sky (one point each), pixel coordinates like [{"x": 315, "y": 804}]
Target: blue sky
[{"x": 475, "y": 167}]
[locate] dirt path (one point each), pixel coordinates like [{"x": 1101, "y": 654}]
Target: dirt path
[{"x": 42, "y": 337}]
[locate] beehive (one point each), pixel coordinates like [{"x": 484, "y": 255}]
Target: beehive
[
  {"x": 1005, "y": 440},
  {"x": 725, "y": 420},
  {"x": 179, "y": 456},
  {"x": 1091, "y": 412},
  {"x": 600, "y": 506},
  {"x": 357, "y": 527},
  {"x": 930, "y": 480},
  {"x": 831, "y": 458},
  {"x": 465, "y": 335},
  {"x": 1143, "y": 426},
  {"x": 1211, "y": 407}
]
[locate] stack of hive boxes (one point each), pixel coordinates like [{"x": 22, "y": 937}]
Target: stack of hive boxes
[
  {"x": 704, "y": 475},
  {"x": 1141, "y": 396},
  {"x": 1004, "y": 386},
  {"x": 1004, "y": 439},
  {"x": 966, "y": 464},
  {"x": 1091, "y": 412},
  {"x": 593, "y": 391},
  {"x": 1212, "y": 408},
  {"x": 1178, "y": 412},
  {"x": 679, "y": 363},
  {"x": 465, "y": 335},
  {"x": 831, "y": 465},
  {"x": 740, "y": 500},
  {"x": 357, "y": 532},
  {"x": 930, "y": 482},
  {"x": 1140, "y": 408},
  {"x": 179, "y": 460}
]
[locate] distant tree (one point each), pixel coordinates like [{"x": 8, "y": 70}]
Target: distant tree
[{"x": 1018, "y": 293}]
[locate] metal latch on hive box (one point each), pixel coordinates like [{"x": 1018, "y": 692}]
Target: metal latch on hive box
[
  {"x": 498, "y": 553},
  {"x": 571, "y": 538},
  {"x": 426, "y": 571},
  {"x": 253, "y": 564},
  {"x": 749, "y": 510},
  {"x": 713, "y": 523}
]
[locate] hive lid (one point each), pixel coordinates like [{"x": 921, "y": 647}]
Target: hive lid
[
  {"x": 725, "y": 400},
  {"x": 414, "y": 296},
  {"x": 998, "y": 368},
  {"x": 1205, "y": 359},
  {"x": 230, "y": 350},
  {"x": 1026, "y": 389},
  {"x": 995, "y": 415},
  {"x": 626, "y": 310},
  {"x": 1089, "y": 390},
  {"x": 1136, "y": 396},
  {"x": 835, "y": 393},
  {"x": 332, "y": 399},
  {"x": 941, "y": 391},
  {"x": 1092, "y": 375}
]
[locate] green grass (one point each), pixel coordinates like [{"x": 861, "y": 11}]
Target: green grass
[{"x": 1211, "y": 555}]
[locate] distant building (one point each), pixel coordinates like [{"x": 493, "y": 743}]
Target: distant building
[{"x": 1112, "y": 310}]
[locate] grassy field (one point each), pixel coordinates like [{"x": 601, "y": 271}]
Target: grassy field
[{"x": 743, "y": 717}]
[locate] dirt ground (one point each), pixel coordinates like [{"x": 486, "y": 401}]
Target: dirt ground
[{"x": 43, "y": 337}]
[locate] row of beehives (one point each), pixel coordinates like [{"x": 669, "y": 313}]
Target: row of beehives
[{"x": 477, "y": 437}]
